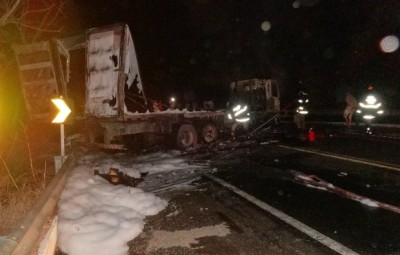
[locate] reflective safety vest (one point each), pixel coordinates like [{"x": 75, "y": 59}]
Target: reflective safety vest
[{"x": 239, "y": 113}]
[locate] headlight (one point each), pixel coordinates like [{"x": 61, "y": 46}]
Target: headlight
[{"x": 370, "y": 100}]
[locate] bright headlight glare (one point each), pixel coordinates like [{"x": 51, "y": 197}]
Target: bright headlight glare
[
  {"x": 229, "y": 116},
  {"x": 370, "y": 99},
  {"x": 380, "y": 112},
  {"x": 368, "y": 117}
]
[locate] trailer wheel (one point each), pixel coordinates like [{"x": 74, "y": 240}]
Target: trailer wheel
[
  {"x": 209, "y": 133},
  {"x": 186, "y": 136}
]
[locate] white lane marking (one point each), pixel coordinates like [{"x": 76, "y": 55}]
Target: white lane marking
[
  {"x": 343, "y": 158},
  {"x": 330, "y": 243}
]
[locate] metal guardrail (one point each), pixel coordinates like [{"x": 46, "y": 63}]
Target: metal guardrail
[
  {"x": 24, "y": 237},
  {"x": 337, "y": 123}
]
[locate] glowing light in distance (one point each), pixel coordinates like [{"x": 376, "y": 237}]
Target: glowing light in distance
[
  {"x": 389, "y": 43},
  {"x": 265, "y": 26}
]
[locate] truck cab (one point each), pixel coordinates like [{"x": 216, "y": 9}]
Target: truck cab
[{"x": 262, "y": 97}]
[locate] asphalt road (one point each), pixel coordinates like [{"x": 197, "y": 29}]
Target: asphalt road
[
  {"x": 210, "y": 219},
  {"x": 267, "y": 173},
  {"x": 250, "y": 202}
]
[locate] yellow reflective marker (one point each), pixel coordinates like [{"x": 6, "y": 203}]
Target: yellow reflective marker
[{"x": 63, "y": 108}]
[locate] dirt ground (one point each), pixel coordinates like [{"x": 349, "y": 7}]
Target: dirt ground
[{"x": 208, "y": 219}]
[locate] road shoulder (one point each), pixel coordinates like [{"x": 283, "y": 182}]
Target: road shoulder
[{"x": 208, "y": 219}]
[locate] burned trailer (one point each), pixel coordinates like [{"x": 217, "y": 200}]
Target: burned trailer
[
  {"x": 44, "y": 73},
  {"x": 116, "y": 100},
  {"x": 41, "y": 77},
  {"x": 109, "y": 96}
]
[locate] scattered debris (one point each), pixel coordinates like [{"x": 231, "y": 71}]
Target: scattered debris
[
  {"x": 116, "y": 177},
  {"x": 315, "y": 181}
]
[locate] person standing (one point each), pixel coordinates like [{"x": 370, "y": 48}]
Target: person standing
[
  {"x": 301, "y": 110},
  {"x": 351, "y": 106},
  {"x": 370, "y": 106}
]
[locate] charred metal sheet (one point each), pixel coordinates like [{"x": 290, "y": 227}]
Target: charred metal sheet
[
  {"x": 114, "y": 128},
  {"x": 38, "y": 77},
  {"x": 112, "y": 67},
  {"x": 259, "y": 94}
]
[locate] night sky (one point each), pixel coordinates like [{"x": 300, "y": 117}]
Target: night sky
[
  {"x": 321, "y": 46},
  {"x": 200, "y": 46}
]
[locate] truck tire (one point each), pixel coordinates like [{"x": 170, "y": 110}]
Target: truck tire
[
  {"x": 209, "y": 133},
  {"x": 186, "y": 136}
]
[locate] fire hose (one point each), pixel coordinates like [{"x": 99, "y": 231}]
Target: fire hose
[{"x": 317, "y": 182}]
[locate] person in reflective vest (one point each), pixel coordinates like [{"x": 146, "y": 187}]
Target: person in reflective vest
[
  {"x": 301, "y": 110},
  {"x": 239, "y": 115},
  {"x": 369, "y": 107}
]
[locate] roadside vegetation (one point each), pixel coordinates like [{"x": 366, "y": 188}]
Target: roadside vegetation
[
  {"x": 26, "y": 167},
  {"x": 26, "y": 149}
]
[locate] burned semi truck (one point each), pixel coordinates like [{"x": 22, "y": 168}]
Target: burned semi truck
[
  {"x": 113, "y": 89},
  {"x": 112, "y": 78}
]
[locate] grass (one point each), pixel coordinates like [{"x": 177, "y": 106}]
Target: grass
[
  {"x": 26, "y": 167},
  {"x": 26, "y": 152},
  {"x": 15, "y": 204}
]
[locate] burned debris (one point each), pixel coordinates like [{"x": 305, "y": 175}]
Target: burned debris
[{"x": 115, "y": 177}]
